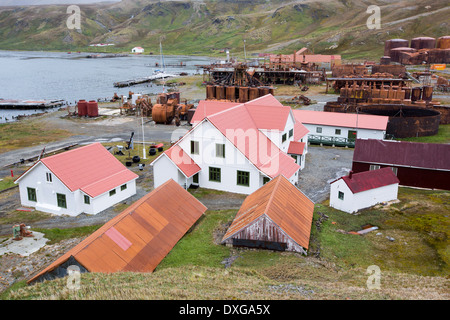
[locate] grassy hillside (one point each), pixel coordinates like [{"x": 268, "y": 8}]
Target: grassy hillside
[
  {"x": 414, "y": 265},
  {"x": 206, "y": 27}
]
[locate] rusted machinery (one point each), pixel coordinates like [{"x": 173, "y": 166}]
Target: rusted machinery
[
  {"x": 421, "y": 50},
  {"x": 20, "y": 231},
  {"x": 167, "y": 109},
  {"x": 236, "y": 93},
  {"x": 412, "y": 111}
]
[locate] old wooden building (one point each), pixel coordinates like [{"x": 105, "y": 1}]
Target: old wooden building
[{"x": 277, "y": 216}]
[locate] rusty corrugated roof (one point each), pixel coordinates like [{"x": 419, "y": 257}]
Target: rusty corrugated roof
[
  {"x": 284, "y": 204},
  {"x": 139, "y": 237}
]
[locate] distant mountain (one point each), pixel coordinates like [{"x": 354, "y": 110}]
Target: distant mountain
[
  {"x": 207, "y": 27},
  {"x": 47, "y": 2}
]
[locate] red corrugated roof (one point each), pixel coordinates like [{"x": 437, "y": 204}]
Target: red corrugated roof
[
  {"x": 239, "y": 127},
  {"x": 141, "y": 236},
  {"x": 284, "y": 204},
  {"x": 367, "y": 180},
  {"x": 339, "y": 119},
  {"x": 402, "y": 153},
  {"x": 182, "y": 160},
  {"x": 299, "y": 130},
  {"x": 91, "y": 168},
  {"x": 296, "y": 147},
  {"x": 208, "y": 107}
]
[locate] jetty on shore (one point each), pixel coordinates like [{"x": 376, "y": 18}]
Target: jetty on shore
[
  {"x": 156, "y": 76},
  {"x": 29, "y": 104}
]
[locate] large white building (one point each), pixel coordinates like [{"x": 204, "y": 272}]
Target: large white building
[
  {"x": 362, "y": 190},
  {"x": 340, "y": 129},
  {"x": 88, "y": 179},
  {"x": 236, "y": 147}
]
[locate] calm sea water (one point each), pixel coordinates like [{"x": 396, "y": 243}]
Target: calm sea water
[{"x": 71, "y": 77}]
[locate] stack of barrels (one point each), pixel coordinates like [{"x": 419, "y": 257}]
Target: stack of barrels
[{"x": 240, "y": 94}]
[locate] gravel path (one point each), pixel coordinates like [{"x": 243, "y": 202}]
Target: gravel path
[{"x": 323, "y": 165}]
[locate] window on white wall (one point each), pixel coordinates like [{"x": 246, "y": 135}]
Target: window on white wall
[
  {"x": 337, "y": 132},
  {"x": 49, "y": 177},
  {"x": 319, "y": 130},
  {"x": 220, "y": 150},
  {"x": 195, "y": 147},
  {"x": 340, "y": 195}
]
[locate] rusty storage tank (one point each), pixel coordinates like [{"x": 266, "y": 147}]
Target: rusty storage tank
[
  {"x": 92, "y": 108},
  {"x": 253, "y": 93},
  {"x": 395, "y": 52},
  {"x": 220, "y": 92},
  {"x": 230, "y": 92},
  {"x": 82, "y": 108},
  {"x": 406, "y": 122},
  {"x": 263, "y": 91},
  {"x": 162, "y": 98},
  {"x": 385, "y": 60},
  {"x": 407, "y": 93},
  {"x": 243, "y": 94},
  {"x": 427, "y": 93},
  {"x": 163, "y": 113},
  {"x": 210, "y": 92},
  {"x": 416, "y": 94},
  {"x": 271, "y": 90},
  {"x": 394, "y": 43},
  {"x": 423, "y": 43},
  {"x": 443, "y": 42}
]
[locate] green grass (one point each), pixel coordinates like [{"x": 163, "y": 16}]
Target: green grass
[
  {"x": 27, "y": 133},
  {"x": 198, "y": 247},
  {"x": 443, "y": 136},
  {"x": 15, "y": 217},
  {"x": 6, "y": 183},
  {"x": 56, "y": 235},
  {"x": 419, "y": 223}
]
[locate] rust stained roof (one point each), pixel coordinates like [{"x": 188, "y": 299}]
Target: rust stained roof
[
  {"x": 281, "y": 202},
  {"x": 139, "y": 237}
]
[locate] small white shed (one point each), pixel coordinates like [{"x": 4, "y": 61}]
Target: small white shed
[
  {"x": 363, "y": 190},
  {"x": 137, "y": 50}
]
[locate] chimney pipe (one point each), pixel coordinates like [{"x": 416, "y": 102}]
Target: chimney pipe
[{"x": 350, "y": 174}]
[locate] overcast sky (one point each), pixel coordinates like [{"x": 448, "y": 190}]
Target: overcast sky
[{"x": 38, "y": 2}]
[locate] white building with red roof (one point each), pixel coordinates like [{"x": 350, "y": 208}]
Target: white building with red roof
[
  {"x": 236, "y": 147},
  {"x": 364, "y": 189},
  {"x": 337, "y": 128},
  {"x": 88, "y": 179}
]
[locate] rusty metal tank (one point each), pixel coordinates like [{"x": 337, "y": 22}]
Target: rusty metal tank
[
  {"x": 163, "y": 113},
  {"x": 92, "y": 108},
  {"x": 427, "y": 93},
  {"x": 443, "y": 42},
  {"x": 385, "y": 60},
  {"x": 243, "y": 94},
  {"x": 210, "y": 92},
  {"x": 253, "y": 93},
  {"x": 395, "y": 52},
  {"x": 416, "y": 94},
  {"x": 230, "y": 92},
  {"x": 271, "y": 90},
  {"x": 82, "y": 108},
  {"x": 220, "y": 93},
  {"x": 263, "y": 91},
  {"x": 423, "y": 43},
  {"x": 394, "y": 43}
]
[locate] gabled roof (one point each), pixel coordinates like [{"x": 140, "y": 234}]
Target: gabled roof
[
  {"x": 182, "y": 160},
  {"x": 296, "y": 147},
  {"x": 282, "y": 203},
  {"x": 339, "y": 119},
  {"x": 209, "y": 107},
  {"x": 140, "y": 237},
  {"x": 299, "y": 130},
  {"x": 91, "y": 169},
  {"x": 432, "y": 156},
  {"x": 368, "y": 180},
  {"x": 238, "y": 126}
]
